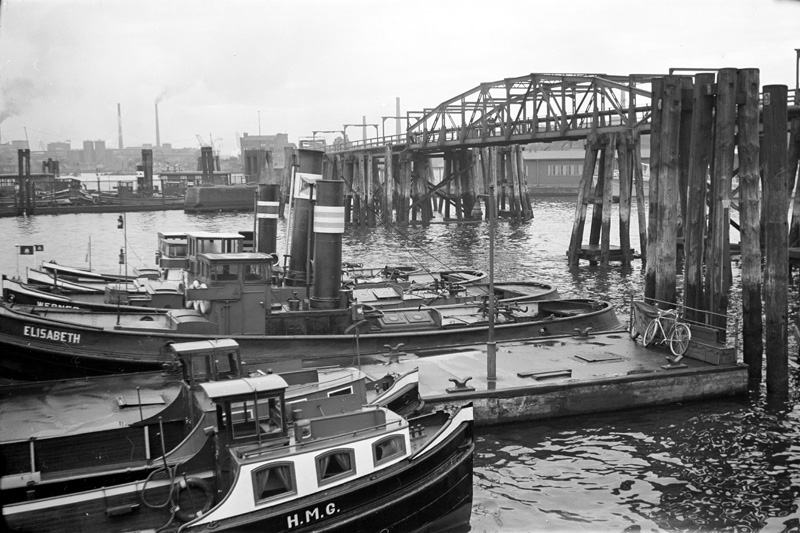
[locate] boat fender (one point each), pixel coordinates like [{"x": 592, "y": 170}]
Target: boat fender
[
  {"x": 185, "y": 515},
  {"x": 190, "y": 303},
  {"x": 196, "y": 303},
  {"x": 204, "y": 306}
]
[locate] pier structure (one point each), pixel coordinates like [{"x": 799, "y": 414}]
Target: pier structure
[
  {"x": 478, "y": 137},
  {"x": 707, "y": 127}
]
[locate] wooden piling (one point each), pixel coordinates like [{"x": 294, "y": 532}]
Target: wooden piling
[
  {"x": 638, "y": 180},
  {"x": 388, "y": 185},
  {"x": 584, "y": 191},
  {"x": 695, "y": 221},
  {"x": 650, "y": 259},
  {"x": 369, "y": 187},
  {"x": 749, "y": 218},
  {"x": 456, "y": 181},
  {"x": 774, "y": 158},
  {"x": 624, "y": 158},
  {"x": 597, "y": 199},
  {"x": 669, "y": 197},
  {"x": 718, "y": 244},
  {"x": 605, "y": 214},
  {"x": 794, "y": 154},
  {"x": 525, "y": 196}
]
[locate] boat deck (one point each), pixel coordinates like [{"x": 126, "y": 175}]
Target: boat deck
[
  {"x": 58, "y": 408},
  {"x": 564, "y": 376}
]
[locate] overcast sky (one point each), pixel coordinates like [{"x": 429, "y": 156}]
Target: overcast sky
[{"x": 307, "y": 65}]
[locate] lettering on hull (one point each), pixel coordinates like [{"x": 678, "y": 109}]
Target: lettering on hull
[
  {"x": 51, "y": 335},
  {"x": 310, "y": 515}
]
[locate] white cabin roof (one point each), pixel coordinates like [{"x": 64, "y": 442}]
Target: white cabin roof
[{"x": 236, "y": 387}]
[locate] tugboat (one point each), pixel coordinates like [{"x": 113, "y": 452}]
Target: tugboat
[{"x": 211, "y": 449}]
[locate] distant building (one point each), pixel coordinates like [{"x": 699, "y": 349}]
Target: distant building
[
  {"x": 276, "y": 143},
  {"x": 558, "y": 172}
]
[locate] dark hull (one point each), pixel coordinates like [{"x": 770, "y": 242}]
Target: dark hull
[
  {"x": 429, "y": 494},
  {"x": 39, "y": 348}
]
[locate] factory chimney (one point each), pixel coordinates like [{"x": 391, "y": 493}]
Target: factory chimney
[
  {"x": 158, "y": 135},
  {"x": 119, "y": 124}
]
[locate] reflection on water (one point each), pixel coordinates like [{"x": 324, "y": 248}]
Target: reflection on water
[
  {"x": 720, "y": 466},
  {"x": 726, "y": 465}
]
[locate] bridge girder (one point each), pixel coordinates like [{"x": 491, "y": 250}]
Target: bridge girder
[{"x": 534, "y": 108}]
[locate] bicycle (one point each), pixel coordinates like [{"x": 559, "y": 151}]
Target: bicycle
[{"x": 677, "y": 333}]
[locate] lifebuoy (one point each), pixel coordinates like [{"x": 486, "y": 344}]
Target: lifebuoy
[{"x": 187, "y": 515}]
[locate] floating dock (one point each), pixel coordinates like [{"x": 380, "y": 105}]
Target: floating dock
[{"x": 564, "y": 376}]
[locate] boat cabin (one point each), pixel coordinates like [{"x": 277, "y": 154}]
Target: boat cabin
[
  {"x": 211, "y": 360},
  {"x": 249, "y": 409},
  {"x": 171, "y": 256},
  {"x": 204, "y": 242}
]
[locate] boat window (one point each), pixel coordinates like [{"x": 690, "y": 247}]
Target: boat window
[
  {"x": 341, "y": 392},
  {"x": 387, "y": 448},
  {"x": 224, "y": 272},
  {"x": 249, "y": 419},
  {"x": 273, "y": 481},
  {"x": 335, "y": 465},
  {"x": 255, "y": 273}
]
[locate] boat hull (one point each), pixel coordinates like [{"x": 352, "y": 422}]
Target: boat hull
[
  {"x": 430, "y": 493},
  {"x": 37, "y": 347}
]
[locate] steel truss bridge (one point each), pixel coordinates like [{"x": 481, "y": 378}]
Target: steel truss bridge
[{"x": 526, "y": 109}]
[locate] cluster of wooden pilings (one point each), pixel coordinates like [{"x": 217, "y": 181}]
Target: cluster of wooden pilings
[
  {"x": 400, "y": 186},
  {"x": 599, "y": 160},
  {"x": 700, "y": 125}
]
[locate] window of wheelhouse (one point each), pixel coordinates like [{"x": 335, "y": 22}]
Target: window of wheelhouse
[
  {"x": 255, "y": 273},
  {"x": 334, "y": 465},
  {"x": 388, "y": 448},
  {"x": 249, "y": 417},
  {"x": 274, "y": 481},
  {"x": 224, "y": 272}
]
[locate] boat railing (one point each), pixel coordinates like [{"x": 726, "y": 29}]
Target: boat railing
[{"x": 254, "y": 451}]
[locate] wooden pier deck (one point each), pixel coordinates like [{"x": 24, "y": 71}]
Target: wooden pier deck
[{"x": 564, "y": 376}]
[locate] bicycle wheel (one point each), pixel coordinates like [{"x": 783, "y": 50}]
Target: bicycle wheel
[
  {"x": 679, "y": 339},
  {"x": 650, "y": 333},
  {"x": 634, "y": 333}
]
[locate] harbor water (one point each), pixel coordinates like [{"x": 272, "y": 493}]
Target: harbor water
[{"x": 725, "y": 465}]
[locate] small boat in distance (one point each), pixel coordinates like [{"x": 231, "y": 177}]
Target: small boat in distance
[{"x": 205, "y": 448}]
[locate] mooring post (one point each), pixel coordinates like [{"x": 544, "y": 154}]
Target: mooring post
[
  {"x": 718, "y": 249},
  {"x": 774, "y": 159},
  {"x": 651, "y": 259},
  {"x": 749, "y": 215},
  {"x": 695, "y": 220}
]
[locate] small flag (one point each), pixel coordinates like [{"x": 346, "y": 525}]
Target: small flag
[{"x": 25, "y": 249}]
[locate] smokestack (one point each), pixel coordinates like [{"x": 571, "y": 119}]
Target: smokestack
[
  {"x": 158, "y": 136},
  {"x": 119, "y": 124}
]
